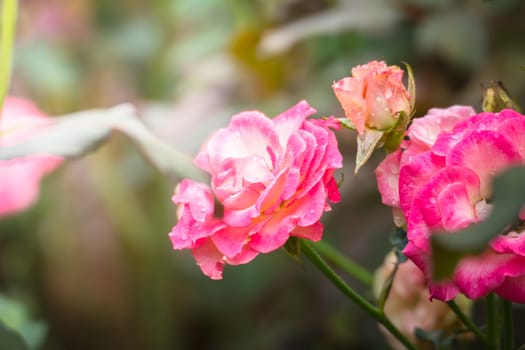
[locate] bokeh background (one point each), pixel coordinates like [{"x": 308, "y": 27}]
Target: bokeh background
[{"x": 91, "y": 266}]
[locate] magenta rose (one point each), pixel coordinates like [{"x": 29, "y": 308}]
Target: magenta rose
[
  {"x": 272, "y": 178},
  {"x": 373, "y": 96},
  {"x": 446, "y": 187},
  {"x": 20, "y": 177}
]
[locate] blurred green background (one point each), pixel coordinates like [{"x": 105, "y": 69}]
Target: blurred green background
[{"x": 91, "y": 266}]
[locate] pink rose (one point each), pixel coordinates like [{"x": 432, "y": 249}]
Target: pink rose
[
  {"x": 408, "y": 305},
  {"x": 272, "y": 178},
  {"x": 197, "y": 226},
  {"x": 445, "y": 189},
  {"x": 422, "y": 134},
  {"x": 373, "y": 97},
  {"x": 20, "y": 178}
]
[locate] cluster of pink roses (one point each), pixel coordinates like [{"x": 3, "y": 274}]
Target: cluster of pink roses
[
  {"x": 270, "y": 179},
  {"x": 439, "y": 181}
]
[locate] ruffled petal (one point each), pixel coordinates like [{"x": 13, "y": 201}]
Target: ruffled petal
[
  {"x": 209, "y": 259},
  {"x": 478, "y": 276},
  {"x": 485, "y": 152},
  {"x": 387, "y": 174}
]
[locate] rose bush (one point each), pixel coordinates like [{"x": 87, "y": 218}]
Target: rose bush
[
  {"x": 272, "y": 179},
  {"x": 440, "y": 181},
  {"x": 20, "y": 177}
]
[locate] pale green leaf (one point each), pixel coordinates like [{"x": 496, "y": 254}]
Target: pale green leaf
[
  {"x": 387, "y": 287},
  {"x": 366, "y": 144},
  {"x": 11, "y": 340},
  {"x": 395, "y": 135},
  {"x": 293, "y": 248},
  {"x": 347, "y": 123},
  {"x": 496, "y": 98},
  {"x": 411, "y": 88},
  {"x": 17, "y": 326},
  {"x": 76, "y": 134}
]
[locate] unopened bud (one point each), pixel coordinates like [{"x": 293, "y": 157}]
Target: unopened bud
[{"x": 496, "y": 98}]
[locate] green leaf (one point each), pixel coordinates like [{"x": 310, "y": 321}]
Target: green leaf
[
  {"x": 293, "y": 248},
  {"x": 508, "y": 199},
  {"x": 341, "y": 180},
  {"x": 347, "y": 123},
  {"x": 386, "y": 288},
  {"x": 10, "y": 339},
  {"x": 437, "y": 338},
  {"x": 497, "y": 98},
  {"x": 395, "y": 135},
  {"x": 79, "y": 133},
  {"x": 8, "y": 33},
  {"x": 398, "y": 239},
  {"x": 411, "y": 88},
  {"x": 16, "y": 319},
  {"x": 366, "y": 144}
]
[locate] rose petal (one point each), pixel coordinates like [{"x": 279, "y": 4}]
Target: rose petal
[
  {"x": 456, "y": 209},
  {"x": 486, "y": 152},
  {"x": 512, "y": 242},
  {"x": 350, "y": 93},
  {"x": 416, "y": 174},
  {"x": 425, "y": 130},
  {"x": 513, "y": 289},
  {"x": 443, "y": 291},
  {"x": 427, "y": 198},
  {"x": 230, "y": 241},
  {"x": 513, "y": 129},
  {"x": 387, "y": 174},
  {"x": 274, "y": 233},
  {"x": 248, "y": 135},
  {"x": 291, "y": 120},
  {"x": 313, "y": 232},
  {"x": 209, "y": 259},
  {"x": 478, "y": 276},
  {"x": 245, "y": 256}
]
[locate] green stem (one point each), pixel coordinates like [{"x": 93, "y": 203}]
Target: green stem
[
  {"x": 9, "y": 14},
  {"x": 350, "y": 267},
  {"x": 373, "y": 311},
  {"x": 490, "y": 312},
  {"x": 508, "y": 340},
  {"x": 466, "y": 320}
]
